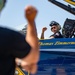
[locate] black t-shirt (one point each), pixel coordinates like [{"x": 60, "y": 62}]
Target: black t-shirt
[
  {"x": 12, "y": 45},
  {"x": 57, "y": 35}
]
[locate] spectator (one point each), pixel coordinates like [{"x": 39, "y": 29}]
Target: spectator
[
  {"x": 14, "y": 46},
  {"x": 55, "y": 27}
]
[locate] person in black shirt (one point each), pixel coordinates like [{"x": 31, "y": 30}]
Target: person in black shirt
[
  {"x": 55, "y": 27},
  {"x": 15, "y": 48}
]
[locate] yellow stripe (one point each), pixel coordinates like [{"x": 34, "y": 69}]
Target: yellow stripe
[
  {"x": 71, "y": 2},
  {"x": 19, "y": 71}
]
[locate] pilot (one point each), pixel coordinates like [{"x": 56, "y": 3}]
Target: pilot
[{"x": 55, "y": 28}]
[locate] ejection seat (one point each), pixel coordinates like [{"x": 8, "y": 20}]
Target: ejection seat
[{"x": 68, "y": 30}]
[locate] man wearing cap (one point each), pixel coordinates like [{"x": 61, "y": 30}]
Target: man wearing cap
[
  {"x": 15, "y": 46},
  {"x": 55, "y": 27}
]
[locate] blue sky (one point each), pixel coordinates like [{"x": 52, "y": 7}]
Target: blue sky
[{"x": 12, "y": 15}]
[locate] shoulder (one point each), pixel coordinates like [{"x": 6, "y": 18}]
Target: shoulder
[
  {"x": 58, "y": 33},
  {"x": 4, "y": 29},
  {"x": 9, "y": 32},
  {"x": 51, "y": 35}
]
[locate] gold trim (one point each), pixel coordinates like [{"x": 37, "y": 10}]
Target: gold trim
[
  {"x": 71, "y": 2},
  {"x": 19, "y": 71}
]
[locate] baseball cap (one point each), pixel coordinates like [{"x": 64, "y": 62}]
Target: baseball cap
[{"x": 53, "y": 23}]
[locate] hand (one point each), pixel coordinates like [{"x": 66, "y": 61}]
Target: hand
[
  {"x": 44, "y": 29},
  {"x": 29, "y": 63},
  {"x": 30, "y": 13}
]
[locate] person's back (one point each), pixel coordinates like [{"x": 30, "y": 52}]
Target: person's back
[
  {"x": 7, "y": 63},
  {"x": 6, "y": 59},
  {"x": 9, "y": 41}
]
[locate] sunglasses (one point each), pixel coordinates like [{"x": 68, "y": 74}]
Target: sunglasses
[{"x": 53, "y": 28}]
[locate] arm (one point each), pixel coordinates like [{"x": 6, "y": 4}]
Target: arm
[
  {"x": 29, "y": 62},
  {"x": 31, "y": 36},
  {"x": 42, "y": 34}
]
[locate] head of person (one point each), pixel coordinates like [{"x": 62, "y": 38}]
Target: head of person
[
  {"x": 55, "y": 27},
  {"x": 2, "y": 4}
]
